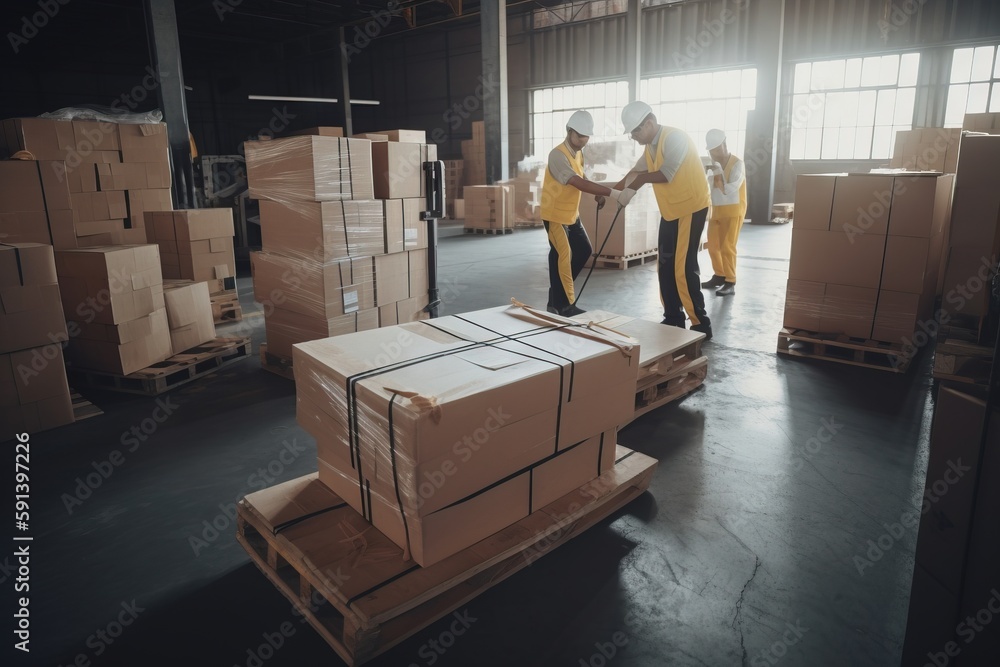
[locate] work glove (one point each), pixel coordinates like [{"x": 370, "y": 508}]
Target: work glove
[
  {"x": 717, "y": 169},
  {"x": 623, "y": 197}
]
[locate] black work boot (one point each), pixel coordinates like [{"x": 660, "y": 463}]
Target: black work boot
[
  {"x": 571, "y": 311},
  {"x": 705, "y": 328},
  {"x": 716, "y": 281},
  {"x": 726, "y": 290}
]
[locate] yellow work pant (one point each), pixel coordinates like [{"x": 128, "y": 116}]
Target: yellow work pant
[{"x": 722, "y": 236}]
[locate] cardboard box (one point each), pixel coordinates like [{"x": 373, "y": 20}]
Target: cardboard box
[
  {"x": 848, "y": 310},
  {"x": 31, "y": 313},
  {"x": 98, "y": 206},
  {"x": 418, "y": 272},
  {"x": 319, "y": 290},
  {"x": 392, "y": 278},
  {"x": 81, "y": 178},
  {"x": 370, "y": 136},
  {"x": 405, "y": 136},
  {"x": 804, "y": 305},
  {"x": 814, "y": 201},
  {"x": 975, "y": 217},
  {"x": 323, "y": 231},
  {"x": 861, "y": 204},
  {"x": 896, "y": 316},
  {"x": 309, "y": 168},
  {"x": 145, "y": 142},
  {"x": 45, "y": 139},
  {"x": 189, "y": 314},
  {"x": 966, "y": 281},
  {"x": 387, "y": 315},
  {"x": 394, "y": 225},
  {"x": 921, "y": 205},
  {"x": 285, "y": 328},
  {"x": 20, "y": 187},
  {"x": 133, "y": 176},
  {"x": 327, "y": 131},
  {"x": 979, "y": 152},
  {"x": 36, "y": 401},
  {"x": 146, "y": 342},
  {"x": 142, "y": 201},
  {"x": 836, "y": 257},
  {"x": 397, "y": 168},
  {"x": 414, "y": 229},
  {"x": 410, "y": 310},
  {"x": 110, "y": 284},
  {"x": 906, "y": 267}
]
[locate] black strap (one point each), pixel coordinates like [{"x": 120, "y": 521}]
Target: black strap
[
  {"x": 600, "y": 454},
  {"x": 395, "y": 475},
  {"x": 381, "y": 584},
  {"x": 617, "y": 461},
  {"x": 292, "y": 522}
]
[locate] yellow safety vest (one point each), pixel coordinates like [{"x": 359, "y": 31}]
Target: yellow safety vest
[
  {"x": 688, "y": 191},
  {"x": 732, "y": 210},
  {"x": 561, "y": 203}
]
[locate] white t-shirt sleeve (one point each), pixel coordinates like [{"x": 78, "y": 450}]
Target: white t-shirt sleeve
[
  {"x": 674, "y": 151},
  {"x": 560, "y": 167},
  {"x": 730, "y": 194}
]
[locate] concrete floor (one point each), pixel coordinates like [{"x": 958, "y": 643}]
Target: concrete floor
[{"x": 772, "y": 479}]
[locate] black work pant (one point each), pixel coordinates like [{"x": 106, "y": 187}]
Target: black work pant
[
  {"x": 677, "y": 270},
  {"x": 569, "y": 248}
]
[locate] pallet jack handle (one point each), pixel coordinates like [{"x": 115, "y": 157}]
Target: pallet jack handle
[{"x": 434, "y": 195}]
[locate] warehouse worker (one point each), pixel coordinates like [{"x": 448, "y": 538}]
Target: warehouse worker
[
  {"x": 671, "y": 165},
  {"x": 729, "y": 206},
  {"x": 569, "y": 246}
]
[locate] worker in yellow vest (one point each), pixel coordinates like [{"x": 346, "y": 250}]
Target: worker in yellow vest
[
  {"x": 671, "y": 164},
  {"x": 729, "y": 206},
  {"x": 569, "y": 246}
]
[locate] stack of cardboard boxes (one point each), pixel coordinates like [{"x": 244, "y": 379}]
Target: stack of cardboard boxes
[
  {"x": 987, "y": 123},
  {"x": 489, "y": 207},
  {"x": 343, "y": 246},
  {"x": 34, "y": 394},
  {"x": 195, "y": 244},
  {"x": 474, "y": 155},
  {"x": 95, "y": 179},
  {"x": 866, "y": 250},
  {"x": 926, "y": 149},
  {"x": 451, "y": 440},
  {"x": 527, "y": 194},
  {"x": 633, "y": 234},
  {"x": 974, "y": 241},
  {"x": 113, "y": 300}
]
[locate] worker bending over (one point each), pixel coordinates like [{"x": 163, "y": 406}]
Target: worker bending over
[
  {"x": 671, "y": 165},
  {"x": 729, "y": 206},
  {"x": 569, "y": 246}
]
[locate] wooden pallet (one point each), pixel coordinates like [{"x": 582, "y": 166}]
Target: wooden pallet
[
  {"x": 312, "y": 546},
  {"x": 276, "y": 364},
  {"x": 963, "y": 362},
  {"x": 528, "y": 224},
  {"x": 661, "y": 390},
  {"x": 82, "y": 408},
  {"x": 176, "y": 371},
  {"x": 626, "y": 262},
  {"x": 496, "y": 232},
  {"x": 853, "y": 351},
  {"x": 226, "y": 307}
]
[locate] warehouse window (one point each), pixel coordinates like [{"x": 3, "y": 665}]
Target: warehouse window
[
  {"x": 552, "y": 107},
  {"x": 583, "y": 10},
  {"x": 975, "y": 75},
  {"x": 850, "y": 109},
  {"x": 700, "y": 101}
]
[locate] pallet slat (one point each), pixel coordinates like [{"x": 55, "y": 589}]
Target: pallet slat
[
  {"x": 373, "y": 598},
  {"x": 176, "y": 371},
  {"x": 495, "y": 232},
  {"x": 226, "y": 307},
  {"x": 852, "y": 351},
  {"x": 625, "y": 262}
]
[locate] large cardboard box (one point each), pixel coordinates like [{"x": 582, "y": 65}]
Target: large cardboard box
[
  {"x": 144, "y": 142},
  {"x": 836, "y": 257},
  {"x": 98, "y": 206},
  {"x": 142, "y": 201},
  {"x": 814, "y": 201},
  {"x": 315, "y": 289},
  {"x": 830, "y": 308},
  {"x": 407, "y": 136},
  {"x": 897, "y": 316},
  {"x": 189, "y": 314},
  {"x": 323, "y": 231},
  {"x": 310, "y": 168},
  {"x": 122, "y": 348},
  {"x": 37, "y": 400},
  {"x": 409, "y": 310},
  {"x": 392, "y": 278},
  {"x": 398, "y": 168},
  {"x": 45, "y": 139},
  {"x": 861, "y": 203},
  {"x": 804, "y": 305},
  {"x": 22, "y": 203},
  {"x": 907, "y": 265},
  {"x": 393, "y": 216},
  {"x": 975, "y": 218},
  {"x": 414, "y": 229},
  {"x": 31, "y": 312},
  {"x": 110, "y": 284},
  {"x": 418, "y": 272},
  {"x": 445, "y": 390},
  {"x": 921, "y": 205},
  {"x": 196, "y": 244}
]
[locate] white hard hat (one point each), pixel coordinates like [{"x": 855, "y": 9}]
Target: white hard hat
[
  {"x": 714, "y": 139},
  {"x": 633, "y": 114},
  {"x": 582, "y": 122}
]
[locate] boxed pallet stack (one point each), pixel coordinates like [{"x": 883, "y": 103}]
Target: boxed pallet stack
[
  {"x": 195, "y": 244},
  {"x": 34, "y": 394},
  {"x": 474, "y": 155},
  {"x": 454, "y": 173},
  {"x": 96, "y": 178},
  {"x": 489, "y": 207},
  {"x": 926, "y": 149},
  {"x": 974, "y": 239},
  {"x": 113, "y": 300},
  {"x": 633, "y": 235},
  {"x": 339, "y": 232},
  {"x": 455, "y": 439},
  {"x": 527, "y": 194},
  {"x": 866, "y": 250}
]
